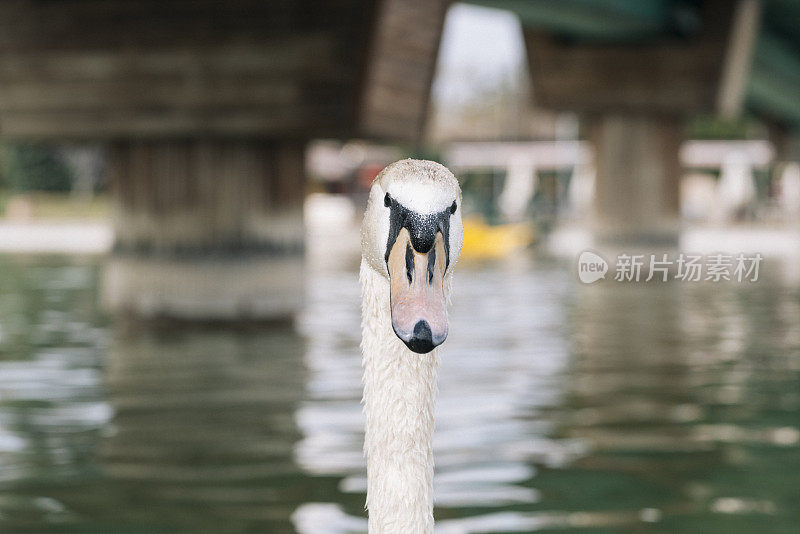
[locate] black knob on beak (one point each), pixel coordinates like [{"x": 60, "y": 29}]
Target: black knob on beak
[{"x": 422, "y": 339}]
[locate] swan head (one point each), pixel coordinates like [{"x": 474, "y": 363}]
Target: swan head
[{"x": 412, "y": 235}]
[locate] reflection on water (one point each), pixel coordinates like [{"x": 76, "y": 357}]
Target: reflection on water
[{"x": 606, "y": 408}]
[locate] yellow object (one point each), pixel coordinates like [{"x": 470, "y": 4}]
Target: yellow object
[{"x": 483, "y": 241}]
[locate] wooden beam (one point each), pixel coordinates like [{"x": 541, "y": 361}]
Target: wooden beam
[
  {"x": 400, "y": 68},
  {"x": 673, "y": 75},
  {"x": 739, "y": 58},
  {"x": 589, "y": 19},
  {"x": 94, "y": 69}
]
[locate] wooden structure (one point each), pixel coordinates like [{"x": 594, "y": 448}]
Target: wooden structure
[
  {"x": 633, "y": 94},
  {"x": 103, "y": 69},
  {"x": 207, "y": 105},
  {"x": 636, "y": 69},
  {"x": 671, "y": 75}
]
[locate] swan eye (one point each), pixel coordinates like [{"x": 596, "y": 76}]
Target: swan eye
[
  {"x": 453, "y": 208},
  {"x": 387, "y": 200}
]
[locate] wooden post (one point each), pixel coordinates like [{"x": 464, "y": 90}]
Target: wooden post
[
  {"x": 638, "y": 179},
  {"x": 206, "y": 229}
]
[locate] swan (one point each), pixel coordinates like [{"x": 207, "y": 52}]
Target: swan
[{"x": 411, "y": 238}]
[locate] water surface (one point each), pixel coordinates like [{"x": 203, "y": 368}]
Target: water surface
[{"x": 646, "y": 408}]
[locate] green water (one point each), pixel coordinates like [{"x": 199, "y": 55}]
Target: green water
[{"x": 654, "y": 408}]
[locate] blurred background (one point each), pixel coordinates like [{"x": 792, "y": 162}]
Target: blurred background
[{"x": 181, "y": 186}]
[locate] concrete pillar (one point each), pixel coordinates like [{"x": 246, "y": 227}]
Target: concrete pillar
[
  {"x": 785, "y": 182},
  {"x": 638, "y": 179},
  {"x": 786, "y": 142},
  {"x": 206, "y": 229}
]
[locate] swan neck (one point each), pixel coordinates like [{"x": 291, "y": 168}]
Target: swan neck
[{"x": 399, "y": 395}]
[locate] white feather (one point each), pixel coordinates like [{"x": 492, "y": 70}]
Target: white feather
[{"x": 399, "y": 385}]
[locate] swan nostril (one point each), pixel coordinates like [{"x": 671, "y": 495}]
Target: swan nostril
[
  {"x": 422, "y": 339},
  {"x": 422, "y": 330}
]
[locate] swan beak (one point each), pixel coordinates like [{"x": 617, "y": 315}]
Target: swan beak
[{"x": 419, "y": 308}]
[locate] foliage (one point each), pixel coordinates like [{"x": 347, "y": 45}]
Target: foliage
[
  {"x": 712, "y": 127},
  {"x": 34, "y": 167}
]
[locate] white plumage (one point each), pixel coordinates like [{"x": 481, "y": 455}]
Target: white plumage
[{"x": 400, "y": 385}]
